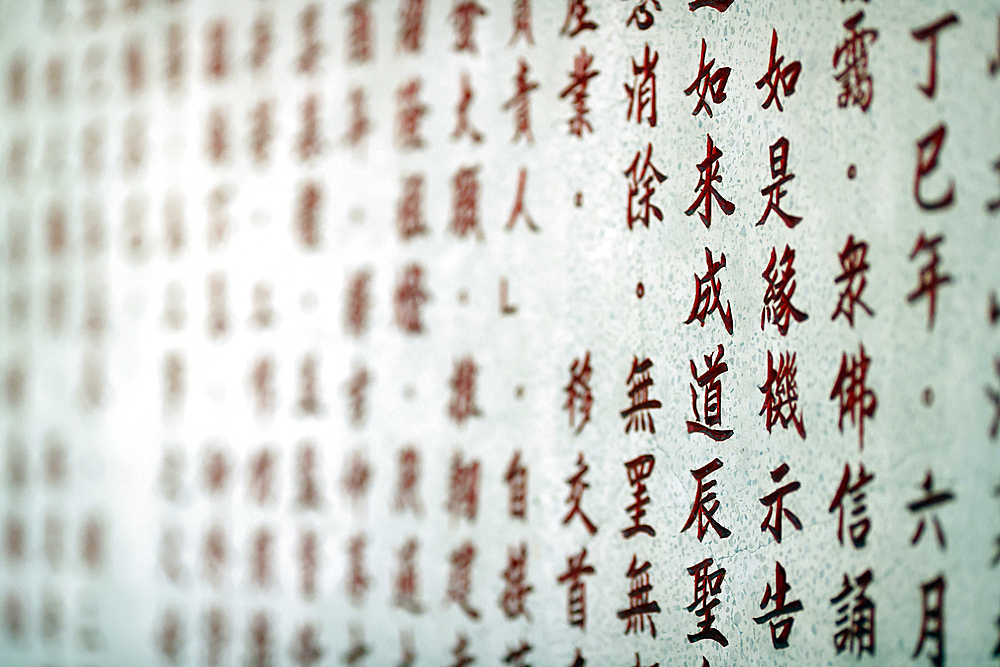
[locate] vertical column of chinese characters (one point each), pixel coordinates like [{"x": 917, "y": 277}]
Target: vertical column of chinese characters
[
  {"x": 20, "y": 490},
  {"x": 74, "y": 533},
  {"x": 854, "y": 610},
  {"x": 579, "y": 403},
  {"x": 579, "y": 28},
  {"x": 643, "y": 406},
  {"x": 308, "y": 32},
  {"x": 934, "y": 194},
  {"x": 780, "y": 389},
  {"x": 360, "y": 55},
  {"x": 523, "y": 91},
  {"x": 176, "y": 625},
  {"x": 708, "y": 89},
  {"x": 410, "y": 295},
  {"x": 992, "y": 390}
]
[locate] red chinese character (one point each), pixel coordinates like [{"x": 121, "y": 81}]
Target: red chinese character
[
  {"x": 311, "y": 46},
  {"x": 778, "y": 308},
  {"x": 358, "y": 580},
  {"x": 929, "y": 32},
  {"x": 310, "y": 495},
  {"x": 406, "y": 485},
  {"x": 217, "y": 140},
  {"x": 853, "y": 267},
  {"x": 640, "y": 609},
  {"x": 641, "y": 16},
  {"x": 170, "y": 638},
  {"x": 855, "y": 81},
  {"x": 705, "y": 503},
  {"x": 357, "y": 477},
  {"x": 926, "y": 163},
  {"x": 465, "y": 190},
  {"x": 521, "y": 103},
  {"x": 307, "y": 216},
  {"x": 857, "y": 633},
  {"x": 521, "y": 17},
  {"x": 17, "y": 84},
  {"x": 135, "y": 66},
  {"x": 781, "y": 394},
  {"x": 708, "y": 83},
  {"x": 261, "y": 557},
  {"x": 309, "y": 555},
  {"x": 642, "y": 92},
  {"x": 579, "y": 80},
  {"x": 215, "y": 554},
  {"x": 359, "y": 126},
  {"x": 707, "y": 295},
  {"x": 309, "y": 401},
  {"x": 463, "y": 488},
  {"x": 261, "y": 476},
  {"x": 856, "y": 399},
  {"x": 261, "y": 136},
  {"x": 775, "y": 191},
  {"x": 460, "y": 578},
  {"x": 576, "y": 488},
  {"x": 930, "y": 281},
  {"x": 518, "y": 210},
  {"x": 216, "y": 50},
  {"x": 406, "y": 592},
  {"x": 859, "y": 527},
  {"x": 359, "y": 34},
  {"x": 639, "y": 469},
  {"x": 463, "y": 385},
  {"x": 930, "y": 499},
  {"x": 261, "y": 35},
  {"x": 708, "y": 173},
  {"x": 260, "y": 639},
  {"x": 515, "y": 589},
  {"x": 639, "y": 211},
  {"x": 262, "y": 385},
  {"x": 774, "y": 502},
  {"x": 410, "y": 297},
  {"x": 776, "y": 75},
  {"x": 217, "y": 634},
  {"x": 310, "y": 140},
  {"x": 358, "y": 302},
  {"x": 576, "y": 604},
  {"x": 578, "y": 389},
  {"x": 710, "y": 383},
  {"x": 576, "y": 18},
  {"x": 411, "y": 25},
  {"x": 464, "y": 15},
  {"x": 357, "y": 388},
  {"x": 463, "y": 126},
  {"x": 638, "y": 413},
  {"x": 517, "y": 479},
  {"x": 932, "y": 620},
  {"x": 780, "y": 630},
  {"x": 409, "y": 211},
  {"x": 409, "y": 113},
  {"x": 707, "y": 587}
]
